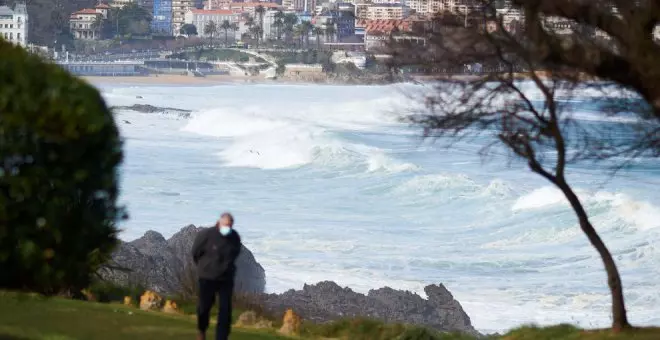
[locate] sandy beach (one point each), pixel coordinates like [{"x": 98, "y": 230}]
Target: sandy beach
[{"x": 176, "y": 80}]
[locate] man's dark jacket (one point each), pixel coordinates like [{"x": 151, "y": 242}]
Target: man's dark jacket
[{"x": 215, "y": 254}]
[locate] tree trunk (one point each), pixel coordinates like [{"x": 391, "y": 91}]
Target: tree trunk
[
  {"x": 619, "y": 317},
  {"x": 226, "y": 38}
]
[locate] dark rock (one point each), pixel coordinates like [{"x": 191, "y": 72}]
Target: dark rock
[
  {"x": 157, "y": 263},
  {"x": 326, "y": 301},
  {"x": 146, "y": 108}
]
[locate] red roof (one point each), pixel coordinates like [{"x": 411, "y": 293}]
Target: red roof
[
  {"x": 86, "y": 11},
  {"x": 383, "y": 26},
  {"x": 212, "y": 11},
  {"x": 102, "y": 6}
]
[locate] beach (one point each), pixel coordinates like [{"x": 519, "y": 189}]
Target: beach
[{"x": 175, "y": 79}]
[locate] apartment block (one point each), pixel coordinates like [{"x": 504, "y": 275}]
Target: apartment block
[
  {"x": 386, "y": 12},
  {"x": 14, "y": 24}
]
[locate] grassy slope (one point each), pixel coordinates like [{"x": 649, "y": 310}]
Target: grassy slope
[{"x": 27, "y": 317}]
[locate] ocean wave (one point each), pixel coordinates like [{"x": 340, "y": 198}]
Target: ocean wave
[
  {"x": 451, "y": 187},
  {"x": 272, "y": 139},
  {"x": 641, "y": 214}
]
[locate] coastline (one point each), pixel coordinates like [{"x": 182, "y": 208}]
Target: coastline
[
  {"x": 173, "y": 79},
  {"x": 214, "y": 80}
]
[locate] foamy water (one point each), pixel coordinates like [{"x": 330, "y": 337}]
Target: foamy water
[{"x": 326, "y": 184}]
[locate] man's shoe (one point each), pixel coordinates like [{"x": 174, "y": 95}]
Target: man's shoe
[{"x": 201, "y": 336}]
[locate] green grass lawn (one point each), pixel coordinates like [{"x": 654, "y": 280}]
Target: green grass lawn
[
  {"x": 36, "y": 318},
  {"x": 29, "y": 317}
]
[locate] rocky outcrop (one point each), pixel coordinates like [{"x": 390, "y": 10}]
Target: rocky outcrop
[
  {"x": 146, "y": 108},
  {"x": 162, "y": 265},
  {"x": 157, "y": 263},
  {"x": 327, "y": 301}
]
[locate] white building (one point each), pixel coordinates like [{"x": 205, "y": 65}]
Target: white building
[
  {"x": 299, "y": 5},
  {"x": 386, "y": 12},
  {"x": 201, "y": 17},
  {"x": 14, "y": 24},
  {"x": 437, "y": 6}
]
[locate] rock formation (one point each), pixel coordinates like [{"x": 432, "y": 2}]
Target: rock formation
[
  {"x": 157, "y": 263},
  {"x": 146, "y": 108},
  {"x": 160, "y": 264},
  {"x": 327, "y": 301}
]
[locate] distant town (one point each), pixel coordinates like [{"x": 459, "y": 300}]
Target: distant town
[{"x": 303, "y": 38}]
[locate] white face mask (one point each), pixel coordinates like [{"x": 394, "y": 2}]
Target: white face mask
[{"x": 225, "y": 230}]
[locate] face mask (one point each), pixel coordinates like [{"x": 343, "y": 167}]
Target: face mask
[{"x": 225, "y": 230}]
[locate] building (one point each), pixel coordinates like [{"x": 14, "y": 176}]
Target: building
[
  {"x": 14, "y": 24},
  {"x": 85, "y": 24},
  {"x": 379, "y": 33},
  {"x": 510, "y": 16},
  {"x": 251, "y": 7},
  {"x": 361, "y": 10},
  {"x": 299, "y": 5},
  {"x": 147, "y": 4},
  {"x": 201, "y": 17},
  {"x": 121, "y": 3},
  {"x": 343, "y": 23},
  {"x": 217, "y": 4},
  {"x": 386, "y": 12},
  {"x": 162, "y": 21},
  {"x": 426, "y": 6},
  {"x": 179, "y": 10}
]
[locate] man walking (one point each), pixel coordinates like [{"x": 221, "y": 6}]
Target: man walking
[{"x": 214, "y": 252}]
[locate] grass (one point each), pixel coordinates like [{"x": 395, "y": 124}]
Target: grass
[
  {"x": 29, "y": 317},
  {"x": 568, "y": 332}
]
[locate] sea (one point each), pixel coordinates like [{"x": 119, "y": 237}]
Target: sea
[{"x": 327, "y": 183}]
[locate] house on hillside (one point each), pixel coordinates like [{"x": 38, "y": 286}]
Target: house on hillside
[
  {"x": 85, "y": 24},
  {"x": 14, "y": 24}
]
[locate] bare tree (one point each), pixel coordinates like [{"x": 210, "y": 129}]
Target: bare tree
[{"x": 522, "y": 94}]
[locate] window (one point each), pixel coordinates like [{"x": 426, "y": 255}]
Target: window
[
  {"x": 18, "y": 36},
  {"x": 11, "y": 36},
  {"x": 11, "y": 25}
]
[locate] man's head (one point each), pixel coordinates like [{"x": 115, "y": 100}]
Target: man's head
[{"x": 226, "y": 219}]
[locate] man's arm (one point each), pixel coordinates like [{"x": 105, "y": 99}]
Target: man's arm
[{"x": 198, "y": 246}]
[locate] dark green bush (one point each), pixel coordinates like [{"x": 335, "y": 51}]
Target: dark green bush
[
  {"x": 110, "y": 292},
  {"x": 419, "y": 334},
  {"x": 59, "y": 153}
]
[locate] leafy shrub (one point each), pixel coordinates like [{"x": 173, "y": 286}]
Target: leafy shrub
[
  {"x": 419, "y": 334},
  {"x": 109, "y": 292},
  {"x": 59, "y": 152}
]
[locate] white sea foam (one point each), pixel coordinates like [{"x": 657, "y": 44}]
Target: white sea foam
[
  {"x": 348, "y": 194},
  {"x": 639, "y": 214}
]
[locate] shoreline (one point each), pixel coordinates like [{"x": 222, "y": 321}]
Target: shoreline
[
  {"x": 173, "y": 79},
  {"x": 214, "y": 80}
]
